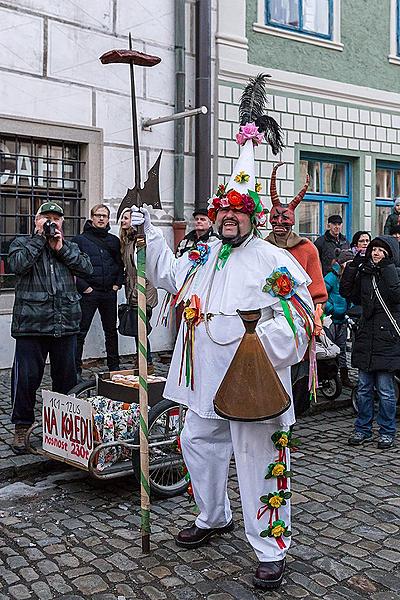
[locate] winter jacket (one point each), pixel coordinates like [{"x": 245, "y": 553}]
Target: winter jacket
[
  {"x": 377, "y": 345},
  {"x": 336, "y": 305},
  {"x": 306, "y": 254},
  {"x": 190, "y": 240},
  {"x": 392, "y": 220},
  {"x": 103, "y": 249},
  {"x": 328, "y": 247},
  {"x": 46, "y": 298}
]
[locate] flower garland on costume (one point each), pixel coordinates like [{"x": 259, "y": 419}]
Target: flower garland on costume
[
  {"x": 192, "y": 316},
  {"x": 277, "y": 528},
  {"x": 281, "y": 284},
  {"x": 198, "y": 257}
]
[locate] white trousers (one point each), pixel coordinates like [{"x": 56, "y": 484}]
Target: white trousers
[{"x": 207, "y": 447}]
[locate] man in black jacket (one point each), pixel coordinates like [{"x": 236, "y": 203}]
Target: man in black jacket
[
  {"x": 331, "y": 243},
  {"x": 46, "y": 314},
  {"x": 99, "y": 290},
  {"x": 202, "y": 232}
]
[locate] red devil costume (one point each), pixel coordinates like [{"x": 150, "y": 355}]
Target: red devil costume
[{"x": 282, "y": 219}]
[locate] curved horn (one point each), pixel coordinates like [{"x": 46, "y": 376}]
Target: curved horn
[
  {"x": 272, "y": 188},
  {"x": 297, "y": 199}
]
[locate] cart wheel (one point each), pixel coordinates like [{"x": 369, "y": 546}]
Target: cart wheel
[
  {"x": 165, "y": 461},
  {"x": 85, "y": 389},
  {"x": 332, "y": 388}
]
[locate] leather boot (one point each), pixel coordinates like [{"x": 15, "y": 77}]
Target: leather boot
[
  {"x": 193, "y": 536},
  {"x": 344, "y": 377},
  {"x": 269, "y": 575},
  {"x": 18, "y": 445}
]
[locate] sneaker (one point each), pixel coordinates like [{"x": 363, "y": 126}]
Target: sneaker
[
  {"x": 385, "y": 441},
  {"x": 18, "y": 445},
  {"x": 359, "y": 438}
]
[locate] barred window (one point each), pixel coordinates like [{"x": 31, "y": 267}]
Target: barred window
[{"x": 33, "y": 171}]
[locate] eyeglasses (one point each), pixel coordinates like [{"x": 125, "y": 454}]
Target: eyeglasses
[{"x": 100, "y": 216}]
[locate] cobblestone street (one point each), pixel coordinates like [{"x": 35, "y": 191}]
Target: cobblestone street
[{"x": 64, "y": 535}]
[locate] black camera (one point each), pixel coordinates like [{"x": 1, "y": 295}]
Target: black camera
[{"x": 49, "y": 229}]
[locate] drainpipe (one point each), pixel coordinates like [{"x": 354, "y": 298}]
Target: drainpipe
[
  {"x": 179, "y": 224},
  {"x": 203, "y": 97}
]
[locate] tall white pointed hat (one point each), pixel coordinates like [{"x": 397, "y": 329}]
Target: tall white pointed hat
[{"x": 255, "y": 126}]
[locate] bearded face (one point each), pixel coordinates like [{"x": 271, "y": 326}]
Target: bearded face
[{"x": 281, "y": 219}]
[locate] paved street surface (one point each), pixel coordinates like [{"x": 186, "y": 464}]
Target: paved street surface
[{"x": 64, "y": 535}]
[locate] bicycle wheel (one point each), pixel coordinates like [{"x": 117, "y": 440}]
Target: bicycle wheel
[
  {"x": 166, "y": 464},
  {"x": 331, "y": 388},
  {"x": 84, "y": 390}
]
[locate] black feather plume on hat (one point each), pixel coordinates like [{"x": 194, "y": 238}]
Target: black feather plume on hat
[{"x": 252, "y": 109}]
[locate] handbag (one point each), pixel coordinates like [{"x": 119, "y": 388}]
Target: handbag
[
  {"x": 325, "y": 348},
  {"x": 128, "y": 320}
]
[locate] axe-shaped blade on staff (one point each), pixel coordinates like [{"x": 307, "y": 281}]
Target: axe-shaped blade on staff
[{"x": 137, "y": 196}]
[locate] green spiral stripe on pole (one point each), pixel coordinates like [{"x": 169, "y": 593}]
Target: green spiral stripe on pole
[{"x": 143, "y": 399}]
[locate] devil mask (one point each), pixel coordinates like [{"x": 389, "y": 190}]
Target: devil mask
[{"x": 283, "y": 214}]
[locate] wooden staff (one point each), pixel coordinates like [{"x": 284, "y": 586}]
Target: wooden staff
[{"x": 135, "y": 197}]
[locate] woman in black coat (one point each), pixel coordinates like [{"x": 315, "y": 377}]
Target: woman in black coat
[{"x": 376, "y": 350}]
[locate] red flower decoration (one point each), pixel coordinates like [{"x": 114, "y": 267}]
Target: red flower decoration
[
  {"x": 212, "y": 214},
  {"x": 235, "y": 199},
  {"x": 284, "y": 285}
]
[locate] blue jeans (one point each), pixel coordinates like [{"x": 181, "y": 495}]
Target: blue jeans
[{"x": 383, "y": 382}]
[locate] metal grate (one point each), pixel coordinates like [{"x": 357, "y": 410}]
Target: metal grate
[{"x": 33, "y": 171}]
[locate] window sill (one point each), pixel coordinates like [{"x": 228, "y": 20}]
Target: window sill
[
  {"x": 393, "y": 59},
  {"x": 298, "y": 37}
]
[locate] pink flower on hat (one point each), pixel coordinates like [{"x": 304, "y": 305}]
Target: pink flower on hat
[{"x": 249, "y": 132}]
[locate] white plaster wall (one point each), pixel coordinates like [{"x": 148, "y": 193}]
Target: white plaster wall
[{"x": 50, "y": 71}]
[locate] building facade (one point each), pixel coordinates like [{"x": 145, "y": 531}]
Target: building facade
[
  {"x": 65, "y": 121},
  {"x": 334, "y": 89},
  {"x": 65, "y": 129}
]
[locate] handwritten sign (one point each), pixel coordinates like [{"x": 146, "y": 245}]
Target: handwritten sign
[{"x": 67, "y": 427}]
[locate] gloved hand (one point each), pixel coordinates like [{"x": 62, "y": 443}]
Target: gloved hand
[{"x": 140, "y": 216}]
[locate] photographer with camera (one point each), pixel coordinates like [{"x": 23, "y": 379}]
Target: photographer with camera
[{"x": 46, "y": 313}]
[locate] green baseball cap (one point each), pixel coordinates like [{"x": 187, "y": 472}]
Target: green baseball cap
[{"x": 50, "y": 207}]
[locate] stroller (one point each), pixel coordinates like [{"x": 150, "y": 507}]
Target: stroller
[{"x": 329, "y": 382}]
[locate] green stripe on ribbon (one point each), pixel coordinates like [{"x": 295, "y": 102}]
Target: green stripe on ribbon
[
  {"x": 140, "y": 287},
  {"x": 288, "y": 315}
]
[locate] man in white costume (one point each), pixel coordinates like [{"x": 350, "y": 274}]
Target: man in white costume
[{"x": 225, "y": 275}]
